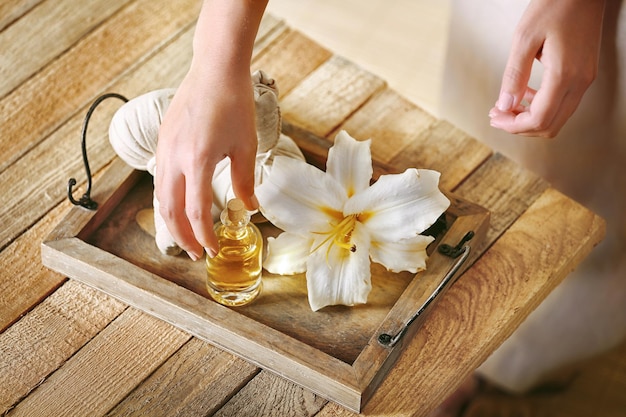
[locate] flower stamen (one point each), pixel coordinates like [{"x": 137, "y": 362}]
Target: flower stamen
[{"x": 340, "y": 234}]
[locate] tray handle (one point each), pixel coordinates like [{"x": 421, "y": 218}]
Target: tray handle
[
  {"x": 460, "y": 251},
  {"x": 86, "y": 201}
]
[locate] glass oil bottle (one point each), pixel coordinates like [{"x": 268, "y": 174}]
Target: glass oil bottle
[{"x": 234, "y": 274}]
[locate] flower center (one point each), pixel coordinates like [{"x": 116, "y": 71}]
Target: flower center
[{"x": 340, "y": 235}]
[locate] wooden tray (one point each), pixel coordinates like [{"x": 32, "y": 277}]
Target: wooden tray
[{"x": 334, "y": 352}]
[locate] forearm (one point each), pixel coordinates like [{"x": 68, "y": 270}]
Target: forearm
[{"x": 225, "y": 35}]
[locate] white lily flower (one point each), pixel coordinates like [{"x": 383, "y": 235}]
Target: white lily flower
[{"x": 334, "y": 221}]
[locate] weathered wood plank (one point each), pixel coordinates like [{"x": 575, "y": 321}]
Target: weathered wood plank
[
  {"x": 267, "y": 395},
  {"x": 505, "y": 189},
  {"x": 196, "y": 381},
  {"x": 391, "y": 121},
  {"x": 100, "y": 375},
  {"x": 44, "y": 170},
  {"x": 270, "y": 30},
  {"x": 48, "y": 336},
  {"x": 38, "y": 181},
  {"x": 304, "y": 56},
  {"x": 525, "y": 264},
  {"x": 337, "y": 88},
  {"x": 11, "y": 10},
  {"x": 35, "y": 109},
  {"x": 23, "y": 51},
  {"x": 24, "y": 281},
  {"x": 446, "y": 149},
  {"x": 404, "y": 136}
]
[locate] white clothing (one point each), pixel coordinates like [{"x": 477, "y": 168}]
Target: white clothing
[{"x": 586, "y": 314}]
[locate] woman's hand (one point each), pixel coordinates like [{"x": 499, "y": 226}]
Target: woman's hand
[
  {"x": 210, "y": 117},
  {"x": 565, "y": 36},
  {"x": 207, "y": 120}
]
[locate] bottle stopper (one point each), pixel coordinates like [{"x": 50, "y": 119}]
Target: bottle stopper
[{"x": 236, "y": 210}]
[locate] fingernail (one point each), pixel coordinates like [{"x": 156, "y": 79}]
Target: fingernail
[
  {"x": 193, "y": 256},
  {"x": 505, "y": 102},
  {"x": 210, "y": 252}
]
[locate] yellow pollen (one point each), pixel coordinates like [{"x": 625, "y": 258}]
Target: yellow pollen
[{"x": 340, "y": 235}]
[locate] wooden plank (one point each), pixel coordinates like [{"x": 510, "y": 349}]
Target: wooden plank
[
  {"x": 24, "y": 281},
  {"x": 337, "y": 89},
  {"x": 44, "y": 339},
  {"x": 269, "y": 396},
  {"x": 505, "y": 189},
  {"x": 23, "y": 46},
  {"x": 196, "y": 381},
  {"x": 38, "y": 181},
  {"x": 525, "y": 264},
  {"x": 46, "y": 169},
  {"x": 303, "y": 56},
  {"x": 446, "y": 149},
  {"x": 403, "y": 135},
  {"x": 97, "y": 377},
  {"x": 41, "y": 104},
  {"x": 270, "y": 29},
  {"x": 391, "y": 121},
  {"x": 11, "y": 10}
]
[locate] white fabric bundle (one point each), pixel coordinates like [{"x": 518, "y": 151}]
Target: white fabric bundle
[{"x": 134, "y": 132}]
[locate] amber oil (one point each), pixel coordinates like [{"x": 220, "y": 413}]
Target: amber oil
[{"x": 234, "y": 274}]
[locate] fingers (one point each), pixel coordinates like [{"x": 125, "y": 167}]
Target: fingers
[
  {"x": 186, "y": 198},
  {"x": 517, "y": 73},
  {"x": 171, "y": 196},
  {"x": 565, "y": 37},
  {"x": 198, "y": 204},
  {"x": 242, "y": 175},
  {"x": 547, "y": 112},
  {"x": 192, "y": 140}
]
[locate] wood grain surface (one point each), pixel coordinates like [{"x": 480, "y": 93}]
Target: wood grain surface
[{"x": 71, "y": 350}]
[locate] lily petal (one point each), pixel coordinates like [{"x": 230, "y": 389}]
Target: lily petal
[
  {"x": 287, "y": 254},
  {"x": 350, "y": 163},
  {"x": 405, "y": 255},
  {"x": 298, "y": 197},
  {"x": 399, "y": 206},
  {"x": 340, "y": 276}
]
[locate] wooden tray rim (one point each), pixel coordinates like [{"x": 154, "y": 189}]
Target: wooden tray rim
[{"x": 65, "y": 251}]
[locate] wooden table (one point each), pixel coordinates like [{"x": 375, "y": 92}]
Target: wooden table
[{"x": 67, "y": 349}]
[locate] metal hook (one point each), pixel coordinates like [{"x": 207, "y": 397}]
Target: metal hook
[
  {"x": 86, "y": 201},
  {"x": 462, "y": 250},
  {"x": 455, "y": 251}
]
